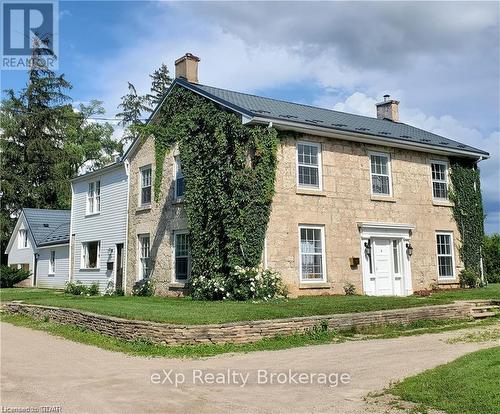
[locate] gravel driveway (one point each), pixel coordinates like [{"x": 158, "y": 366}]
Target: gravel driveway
[{"x": 38, "y": 369}]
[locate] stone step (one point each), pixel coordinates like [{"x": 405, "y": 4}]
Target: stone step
[
  {"x": 485, "y": 308},
  {"x": 482, "y": 315}
]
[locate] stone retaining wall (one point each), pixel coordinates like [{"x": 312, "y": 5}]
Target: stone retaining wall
[{"x": 236, "y": 332}]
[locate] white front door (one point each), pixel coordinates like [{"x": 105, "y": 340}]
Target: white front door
[{"x": 382, "y": 250}]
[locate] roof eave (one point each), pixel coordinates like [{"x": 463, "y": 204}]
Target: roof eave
[{"x": 365, "y": 138}]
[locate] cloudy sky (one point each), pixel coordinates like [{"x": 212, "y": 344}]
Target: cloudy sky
[{"x": 441, "y": 60}]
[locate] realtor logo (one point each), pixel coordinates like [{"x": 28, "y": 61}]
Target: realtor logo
[{"x": 29, "y": 34}]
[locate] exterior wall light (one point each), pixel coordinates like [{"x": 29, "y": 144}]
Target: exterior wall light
[
  {"x": 368, "y": 248},
  {"x": 409, "y": 249}
]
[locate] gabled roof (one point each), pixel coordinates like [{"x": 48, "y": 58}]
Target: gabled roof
[
  {"x": 48, "y": 227},
  {"x": 386, "y": 131}
]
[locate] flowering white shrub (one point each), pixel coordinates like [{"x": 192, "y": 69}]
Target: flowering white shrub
[{"x": 243, "y": 283}]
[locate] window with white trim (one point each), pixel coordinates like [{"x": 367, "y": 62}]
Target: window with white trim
[
  {"x": 94, "y": 197},
  {"x": 380, "y": 168},
  {"x": 309, "y": 165},
  {"x": 439, "y": 170},
  {"x": 179, "y": 179},
  {"x": 182, "y": 264},
  {"x": 145, "y": 177},
  {"x": 90, "y": 255},
  {"x": 22, "y": 239},
  {"x": 52, "y": 263},
  {"x": 312, "y": 253},
  {"x": 145, "y": 255},
  {"x": 444, "y": 244}
]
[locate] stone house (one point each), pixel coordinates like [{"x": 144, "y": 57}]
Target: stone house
[{"x": 358, "y": 200}]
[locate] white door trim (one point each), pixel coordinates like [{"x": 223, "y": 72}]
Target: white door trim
[{"x": 371, "y": 230}]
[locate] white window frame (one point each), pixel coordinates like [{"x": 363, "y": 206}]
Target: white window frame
[
  {"x": 174, "y": 272},
  {"x": 22, "y": 241},
  {"x": 389, "y": 171},
  {"x": 85, "y": 253},
  {"x": 452, "y": 254},
  {"x": 323, "y": 253},
  {"x": 52, "y": 263},
  {"x": 320, "y": 166},
  {"x": 446, "y": 180},
  {"x": 178, "y": 175},
  {"x": 141, "y": 187},
  {"x": 141, "y": 238},
  {"x": 93, "y": 197}
]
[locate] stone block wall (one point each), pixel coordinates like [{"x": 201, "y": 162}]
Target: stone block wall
[{"x": 237, "y": 332}]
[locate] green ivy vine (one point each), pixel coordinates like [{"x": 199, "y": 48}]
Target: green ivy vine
[
  {"x": 468, "y": 211},
  {"x": 229, "y": 171}
]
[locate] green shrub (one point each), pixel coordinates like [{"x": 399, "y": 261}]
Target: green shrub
[
  {"x": 349, "y": 289},
  {"x": 244, "y": 283},
  {"x": 143, "y": 287},
  {"x": 491, "y": 258},
  {"x": 79, "y": 289},
  {"x": 469, "y": 278},
  {"x": 10, "y": 276}
]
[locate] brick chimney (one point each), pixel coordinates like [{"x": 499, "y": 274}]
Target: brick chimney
[
  {"x": 187, "y": 67},
  {"x": 388, "y": 109}
]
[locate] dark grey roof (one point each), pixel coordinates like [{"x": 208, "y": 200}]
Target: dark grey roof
[
  {"x": 48, "y": 226},
  {"x": 257, "y": 106}
]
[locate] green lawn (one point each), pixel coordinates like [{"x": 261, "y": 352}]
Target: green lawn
[
  {"x": 470, "y": 384},
  {"x": 187, "y": 311}
]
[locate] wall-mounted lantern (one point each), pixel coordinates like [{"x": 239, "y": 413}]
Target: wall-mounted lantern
[
  {"x": 409, "y": 249},
  {"x": 368, "y": 247}
]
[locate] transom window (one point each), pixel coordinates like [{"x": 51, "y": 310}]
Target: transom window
[
  {"x": 52, "y": 262},
  {"x": 90, "y": 255},
  {"x": 380, "y": 174},
  {"x": 179, "y": 179},
  {"x": 145, "y": 256},
  {"x": 23, "y": 239},
  {"x": 444, "y": 242},
  {"x": 182, "y": 260},
  {"x": 145, "y": 185},
  {"x": 439, "y": 180},
  {"x": 309, "y": 164},
  {"x": 312, "y": 253},
  {"x": 94, "y": 197}
]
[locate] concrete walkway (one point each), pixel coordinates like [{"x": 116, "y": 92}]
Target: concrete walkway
[{"x": 38, "y": 369}]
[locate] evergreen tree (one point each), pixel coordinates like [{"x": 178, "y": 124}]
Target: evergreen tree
[
  {"x": 160, "y": 82},
  {"x": 45, "y": 142}
]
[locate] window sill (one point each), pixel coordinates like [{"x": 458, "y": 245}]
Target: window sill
[
  {"x": 179, "y": 200},
  {"x": 388, "y": 199},
  {"x": 442, "y": 203},
  {"x": 311, "y": 192},
  {"x": 177, "y": 285},
  {"x": 449, "y": 281},
  {"x": 89, "y": 269},
  {"x": 314, "y": 285},
  {"x": 144, "y": 208},
  {"x": 92, "y": 214}
]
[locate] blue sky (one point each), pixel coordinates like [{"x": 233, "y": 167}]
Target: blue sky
[{"x": 441, "y": 60}]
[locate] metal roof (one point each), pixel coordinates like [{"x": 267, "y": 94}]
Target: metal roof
[
  {"x": 273, "y": 109},
  {"x": 48, "y": 226}
]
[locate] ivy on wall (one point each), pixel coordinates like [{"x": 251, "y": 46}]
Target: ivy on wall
[
  {"x": 468, "y": 211},
  {"x": 229, "y": 171}
]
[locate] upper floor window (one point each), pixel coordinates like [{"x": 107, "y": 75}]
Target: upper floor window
[
  {"x": 23, "y": 239},
  {"x": 439, "y": 180},
  {"x": 444, "y": 244},
  {"x": 312, "y": 253},
  {"x": 90, "y": 255},
  {"x": 52, "y": 262},
  {"x": 182, "y": 265},
  {"x": 94, "y": 197},
  {"x": 309, "y": 165},
  {"x": 179, "y": 179},
  {"x": 145, "y": 185},
  {"x": 380, "y": 165},
  {"x": 145, "y": 255}
]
